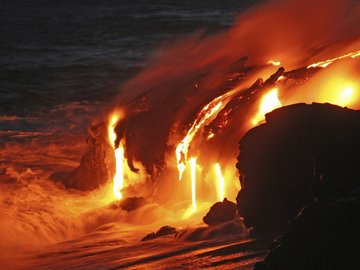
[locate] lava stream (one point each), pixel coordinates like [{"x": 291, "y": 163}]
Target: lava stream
[
  {"x": 325, "y": 63},
  {"x": 182, "y": 149},
  {"x": 118, "y": 180},
  {"x": 269, "y": 102}
]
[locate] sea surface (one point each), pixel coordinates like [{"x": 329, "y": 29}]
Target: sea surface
[{"x": 55, "y": 52}]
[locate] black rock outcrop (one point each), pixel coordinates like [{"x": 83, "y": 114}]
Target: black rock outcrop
[
  {"x": 164, "y": 230},
  {"x": 97, "y": 165},
  {"x": 301, "y": 154},
  {"x": 220, "y": 212},
  {"x": 132, "y": 203},
  {"x": 325, "y": 235}
]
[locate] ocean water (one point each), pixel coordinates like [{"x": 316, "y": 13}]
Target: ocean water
[{"x": 56, "y": 52}]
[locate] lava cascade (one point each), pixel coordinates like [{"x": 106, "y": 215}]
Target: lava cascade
[{"x": 198, "y": 97}]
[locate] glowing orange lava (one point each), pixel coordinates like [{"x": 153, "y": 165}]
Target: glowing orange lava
[
  {"x": 340, "y": 91},
  {"x": 274, "y": 63},
  {"x": 111, "y": 133},
  {"x": 210, "y": 136},
  {"x": 325, "y": 63},
  {"x": 119, "y": 173},
  {"x": 269, "y": 102},
  {"x": 346, "y": 95},
  {"x": 220, "y": 182},
  {"x": 182, "y": 149},
  {"x": 118, "y": 181}
]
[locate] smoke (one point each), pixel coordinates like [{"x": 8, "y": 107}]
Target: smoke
[{"x": 287, "y": 31}]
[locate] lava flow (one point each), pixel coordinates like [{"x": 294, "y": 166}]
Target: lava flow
[
  {"x": 215, "y": 120},
  {"x": 201, "y": 95},
  {"x": 328, "y": 62},
  {"x": 118, "y": 181},
  {"x": 183, "y": 147},
  {"x": 269, "y": 102}
]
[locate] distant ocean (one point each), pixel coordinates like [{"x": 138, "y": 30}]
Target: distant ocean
[{"x": 56, "y": 52}]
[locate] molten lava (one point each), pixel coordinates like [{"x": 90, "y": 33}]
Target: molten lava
[
  {"x": 274, "y": 63},
  {"x": 338, "y": 91},
  {"x": 346, "y": 95},
  {"x": 328, "y": 62},
  {"x": 183, "y": 147},
  {"x": 118, "y": 180},
  {"x": 111, "y": 125},
  {"x": 221, "y": 182},
  {"x": 119, "y": 173},
  {"x": 269, "y": 102},
  {"x": 162, "y": 117}
]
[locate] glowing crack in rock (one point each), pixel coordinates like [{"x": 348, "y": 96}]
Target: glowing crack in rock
[{"x": 210, "y": 136}]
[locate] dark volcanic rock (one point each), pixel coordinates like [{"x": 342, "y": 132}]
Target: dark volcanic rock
[
  {"x": 165, "y": 230},
  {"x": 322, "y": 236},
  {"x": 229, "y": 229},
  {"x": 97, "y": 165},
  {"x": 132, "y": 203},
  {"x": 220, "y": 212},
  {"x": 303, "y": 152}
]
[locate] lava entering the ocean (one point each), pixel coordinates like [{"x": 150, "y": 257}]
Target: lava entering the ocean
[
  {"x": 167, "y": 146},
  {"x": 212, "y": 122},
  {"x": 119, "y": 157},
  {"x": 201, "y": 95}
]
